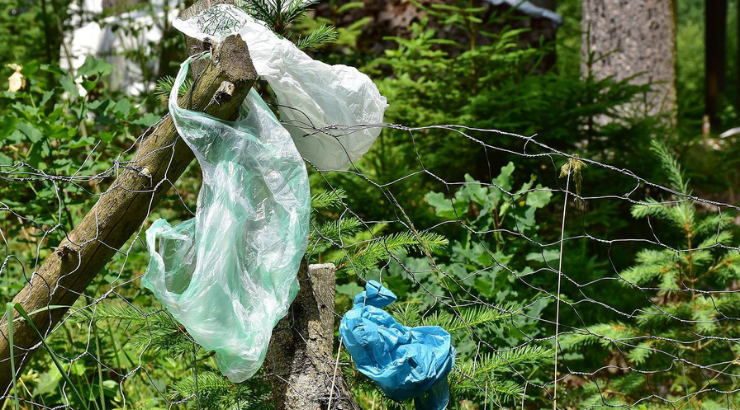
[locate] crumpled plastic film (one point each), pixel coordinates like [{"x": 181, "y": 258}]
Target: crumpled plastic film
[
  {"x": 314, "y": 97},
  {"x": 230, "y": 274},
  {"x": 404, "y": 362},
  {"x": 216, "y": 22}
]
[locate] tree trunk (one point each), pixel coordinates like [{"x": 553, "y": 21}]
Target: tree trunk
[
  {"x": 715, "y": 63},
  {"x": 634, "y": 37},
  {"x": 302, "y": 369},
  {"x": 160, "y": 160}
]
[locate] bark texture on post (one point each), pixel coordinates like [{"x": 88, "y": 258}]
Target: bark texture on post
[
  {"x": 161, "y": 158},
  {"x": 641, "y": 37},
  {"x": 300, "y": 358},
  {"x": 194, "y": 45}
]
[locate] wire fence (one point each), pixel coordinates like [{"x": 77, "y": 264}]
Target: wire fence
[{"x": 558, "y": 291}]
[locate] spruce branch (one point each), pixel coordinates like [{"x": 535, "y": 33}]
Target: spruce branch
[
  {"x": 670, "y": 166},
  {"x": 165, "y": 84},
  {"x": 321, "y": 36},
  {"x": 328, "y": 199}
]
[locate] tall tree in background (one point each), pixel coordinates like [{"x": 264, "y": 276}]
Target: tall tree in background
[
  {"x": 634, "y": 39},
  {"x": 715, "y": 61}
]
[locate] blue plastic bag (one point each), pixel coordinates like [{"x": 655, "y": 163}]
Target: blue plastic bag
[{"x": 404, "y": 362}]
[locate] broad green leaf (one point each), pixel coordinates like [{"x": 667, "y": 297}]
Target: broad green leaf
[
  {"x": 31, "y": 132},
  {"x": 93, "y": 66},
  {"x": 7, "y": 126},
  {"x": 350, "y": 289},
  {"x": 442, "y": 206},
  {"x": 539, "y": 198},
  {"x": 69, "y": 86},
  {"x": 504, "y": 179},
  {"x": 147, "y": 120},
  {"x": 122, "y": 109},
  {"x": 47, "y": 96},
  {"x": 105, "y": 136},
  {"x": 81, "y": 142}
]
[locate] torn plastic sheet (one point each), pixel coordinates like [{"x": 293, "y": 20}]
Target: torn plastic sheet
[
  {"x": 230, "y": 274},
  {"x": 404, "y": 362},
  {"x": 333, "y": 112}
]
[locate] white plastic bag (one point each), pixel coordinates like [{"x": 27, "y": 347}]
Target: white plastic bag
[{"x": 313, "y": 96}]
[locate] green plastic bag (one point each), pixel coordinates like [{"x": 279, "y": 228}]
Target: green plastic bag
[{"x": 230, "y": 274}]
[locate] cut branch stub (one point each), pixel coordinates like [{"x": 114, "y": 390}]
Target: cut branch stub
[{"x": 120, "y": 212}]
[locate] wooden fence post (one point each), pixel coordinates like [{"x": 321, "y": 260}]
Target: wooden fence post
[{"x": 300, "y": 360}]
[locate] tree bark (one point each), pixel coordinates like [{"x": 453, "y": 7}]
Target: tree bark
[
  {"x": 302, "y": 369},
  {"x": 159, "y": 161},
  {"x": 715, "y": 63},
  {"x": 632, "y": 38}
]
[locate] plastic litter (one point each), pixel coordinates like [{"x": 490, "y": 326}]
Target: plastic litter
[
  {"x": 404, "y": 362},
  {"x": 328, "y": 110},
  {"x": 230, "y": 274}
]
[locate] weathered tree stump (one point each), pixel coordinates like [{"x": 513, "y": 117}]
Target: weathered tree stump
[{"x": 300, "y": 358}]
